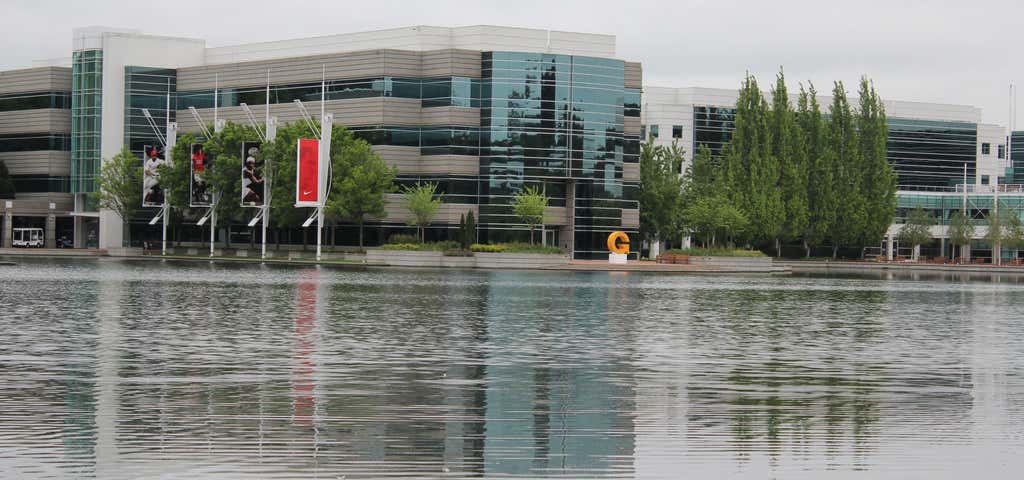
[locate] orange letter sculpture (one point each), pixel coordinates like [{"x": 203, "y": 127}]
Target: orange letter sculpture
[{"x": 618, "y": 242}]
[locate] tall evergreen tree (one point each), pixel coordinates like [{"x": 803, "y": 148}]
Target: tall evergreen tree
[
  {"x": 752, "y": 169},
  {"x": 6, "y": 183},
  {"x": 847, "y": 173},
  {"x": 821, "y": 196},
  {"x": 789, "y": 151},
  {"x": 879, "y": 179}
]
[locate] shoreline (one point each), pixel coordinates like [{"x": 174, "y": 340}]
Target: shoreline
[
  {"x": 504, "y": 262},
  {"x": 839, "y": 266},
  {"x": 360, "y": 262}
]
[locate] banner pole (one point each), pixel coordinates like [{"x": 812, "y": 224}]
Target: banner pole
[
  {"x": 170, "y": 139},
  {"x": 266, "y": 172},
  {"x": 163, "y": 245},
  {"x": 213, "y": 223},
  {"x": 319, "y": 230}
]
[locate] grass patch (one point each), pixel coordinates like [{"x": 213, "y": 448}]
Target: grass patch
[
  {"x": 516, "y": 247},
  {"x": 717, "y": 252}
]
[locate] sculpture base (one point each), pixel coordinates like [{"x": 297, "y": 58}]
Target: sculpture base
[{"x": 617, "y": 258}]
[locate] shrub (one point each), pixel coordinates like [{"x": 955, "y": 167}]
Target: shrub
[
  {"x": 403, "y": 238},
  {"x": 523, "y": 247},
  {"x": 458, "y": 253},
  {"x": 401, "y": 246},
  {"x": 479, "y": 247},
  {"x": 717, "y": 252},
  {"x": 516, "y": 247}
]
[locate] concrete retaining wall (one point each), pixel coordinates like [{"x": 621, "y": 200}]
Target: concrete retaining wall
[
  {"x": 401, "y": 258},
  {"x": 519, "y": 260},
  {"x": 734, "y": 263}
]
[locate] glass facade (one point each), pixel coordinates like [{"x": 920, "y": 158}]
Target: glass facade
[
  {"x": 146, "y": 88},
  {"x": 942, "y": 206},
  {"x": 432, "y": 92},
  {"x": 555, "y": 122},
  {"x": 432, "y": 140},
  {"x": 33, "y": 101},
  {"x": 1017, "y": 157},
  {"x": 86, "y": 108},
  {"x": 713, "y": 126},
  {"x": 29, "y": 142},
  {"x": 41, "y": 184},
  {"x": 927, "y": 153}
]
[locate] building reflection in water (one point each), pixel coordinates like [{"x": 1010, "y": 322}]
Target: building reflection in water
[
  {"x": 558, "y": 399},
  {"x": 221, "y": 371}
]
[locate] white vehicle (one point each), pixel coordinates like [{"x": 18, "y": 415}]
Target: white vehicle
[{"x": 28, "y": 237}]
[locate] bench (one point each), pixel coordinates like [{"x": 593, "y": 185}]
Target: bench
[{"x": 674, "y": 258}]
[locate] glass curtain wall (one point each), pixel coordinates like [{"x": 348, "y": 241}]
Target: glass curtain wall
[
  {"x": 928, "y": 153},
  {"x": 554, "y": 122},
  {"x": 147, "y": 88},
  {"x": 86, "y": 109}
]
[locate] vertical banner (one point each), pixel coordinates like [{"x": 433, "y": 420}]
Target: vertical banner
[
  {"x": 152, "y": 192},
  {"x": 252, "y": 175},
  {"x": 200, "y": 194},
  {"x": 307, "y": 175}
]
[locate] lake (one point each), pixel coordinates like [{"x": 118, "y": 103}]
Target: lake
[{"x": 141, "y": 369}]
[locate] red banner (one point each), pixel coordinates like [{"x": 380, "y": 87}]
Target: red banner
[{"x": 307, "y": 174}]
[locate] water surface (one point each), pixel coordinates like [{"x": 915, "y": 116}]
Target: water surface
[{"x": 121, "y": 369}]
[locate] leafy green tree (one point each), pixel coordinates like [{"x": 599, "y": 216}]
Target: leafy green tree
[
  {"x": 120, "y": 185},
  {"x": 6, "y": 183},
  {"x": 878, "y": 177},
  {"x": 752, "y": 169},
  {"x": 529, "y": 205},
  {"x": 822, "y": 200},
  {"x": 282, "y": 154},
  {"x": 917, "y": 230},
  {"x": 359, "y": 183},
  {"x": 661, "y": 191},
  {"x": 174, "y": 174},
  {"x": 850, "y": 221},
  {"x": 790, "y": 151},
  {"x": 714, "y": 217},
  {"x": 961, "y": 231},
  {"x": 1013, "y": 231},
  {"x": 421, "y": 202},
  {"x": 1004, "y": 230}
]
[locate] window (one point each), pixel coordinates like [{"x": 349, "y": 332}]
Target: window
[
  {"x": 654, "y": 131},
  {"x": 643, "y": 133},
  {"x": 1002, "y": 151},
  {"x": 986, "y": 149},
  {"x": 677, "y": 131},
  {"x": 984, "y": 179}
]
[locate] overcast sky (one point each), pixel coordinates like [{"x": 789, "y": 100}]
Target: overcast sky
[{"x": 931, "y": 51}]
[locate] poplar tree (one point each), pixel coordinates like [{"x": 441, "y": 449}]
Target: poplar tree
[
  {"x": 789, "y": 150},
  {"x": 879, "y": 178},
  {"x": 847, "y": 173},
  {"x": 752, "y": 169},
  {"x": 821, "y": 196}
]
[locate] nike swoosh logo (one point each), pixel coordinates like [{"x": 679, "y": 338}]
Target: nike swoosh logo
[{"x": 304, "y": 193}]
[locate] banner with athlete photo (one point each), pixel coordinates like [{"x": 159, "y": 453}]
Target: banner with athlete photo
[
  {"x": 307, "y": 173},
  {"x": 200, "y": 193},
  {"x": 152, "y": 192},
  {"x": 252, "y": 175}
]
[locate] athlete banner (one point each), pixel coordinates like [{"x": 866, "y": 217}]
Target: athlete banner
[
  {"x": 152, "y": 192},
  {"x": 252, "y": 175},
  {"x": 200, "y": 194},
  {"x": 307, "y": 175}
]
